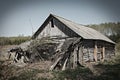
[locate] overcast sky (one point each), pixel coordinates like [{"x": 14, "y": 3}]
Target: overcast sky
[{"x": 20, "y": 16}]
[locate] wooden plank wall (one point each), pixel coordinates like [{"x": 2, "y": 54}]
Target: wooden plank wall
[{"x": 99, "y": 51}]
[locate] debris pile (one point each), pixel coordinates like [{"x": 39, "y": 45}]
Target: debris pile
[
  {"x": 18, "y": 55},
  {"x": 63, "y": 53},
  {"x": 68, "y": 56},
  {"x": 41, "y": 50}
]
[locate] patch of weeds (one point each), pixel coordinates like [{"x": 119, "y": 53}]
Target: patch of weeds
[
  {"x": 43, "y": 79},
  {"x": 111, "y": 70},
  {"x": 25, "y": 75},
  {"x": 73, "y": 74}
]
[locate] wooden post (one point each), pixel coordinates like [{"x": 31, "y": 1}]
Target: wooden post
[
  {"x": 103, "y": 53},
  {"x": 99, "y": 53},
  {"x": 80, "y": 56},
  {"x": 95, "y": 52},
  {"x": 75, "y": 58},
  {"x": 89, "y": 54}
]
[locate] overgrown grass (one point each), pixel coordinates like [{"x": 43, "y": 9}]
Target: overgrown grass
[
  {"x": 25, "y": 75},
  {"x": 80, "y": 73},
  {"x": 111, "y": 71},
  {"x": 28, "y": 75},
  {"x": 13, "y": 40}
]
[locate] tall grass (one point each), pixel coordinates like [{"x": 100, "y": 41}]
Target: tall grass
[{"x": 13, "y": 40}]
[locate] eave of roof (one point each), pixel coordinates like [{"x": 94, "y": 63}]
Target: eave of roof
[{"x": 83, "y": 31}]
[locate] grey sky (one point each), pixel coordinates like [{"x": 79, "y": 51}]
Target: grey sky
[{"x": 20, "y": 16}]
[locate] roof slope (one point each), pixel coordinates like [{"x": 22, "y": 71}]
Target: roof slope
[{"x": 85, "y": 32}]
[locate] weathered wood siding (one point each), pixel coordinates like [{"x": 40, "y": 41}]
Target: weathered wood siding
[
  {"x": 58, "y": 29},
  {"x": 66, "y": 30},
  {"x": 92, "y": 50},
  {"x": 49, "y": 31},
  {"x": 104, "y": 50}
]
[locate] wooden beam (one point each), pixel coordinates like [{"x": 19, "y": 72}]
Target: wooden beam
[
  {"x": 64, "y": 65},
  {"x": 80, "y": 56},
  {"x": 103, "y": 53},
  {"x": 53, "y": 66},
  {"x": 95, "y": 52},
  {"x": 100, "y": 53},
  {"x": 75, "y": 58}
]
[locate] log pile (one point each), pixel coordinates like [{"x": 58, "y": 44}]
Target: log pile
[{"x": 18, "y": 55}]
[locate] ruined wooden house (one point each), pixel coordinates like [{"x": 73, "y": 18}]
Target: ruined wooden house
[{"x": 89, "y": 44}]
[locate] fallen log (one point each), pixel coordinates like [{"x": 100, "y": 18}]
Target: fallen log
[
  {"x": 54, "y": 65},
  {"x": 64, "y": 65}
]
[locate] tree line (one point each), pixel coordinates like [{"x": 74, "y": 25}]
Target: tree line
[{"x": 111, "y": 30}]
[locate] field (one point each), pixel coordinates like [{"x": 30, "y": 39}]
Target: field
[
  {"x": 7, "y": 43},
  {"x": 13, "y": 40}
]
